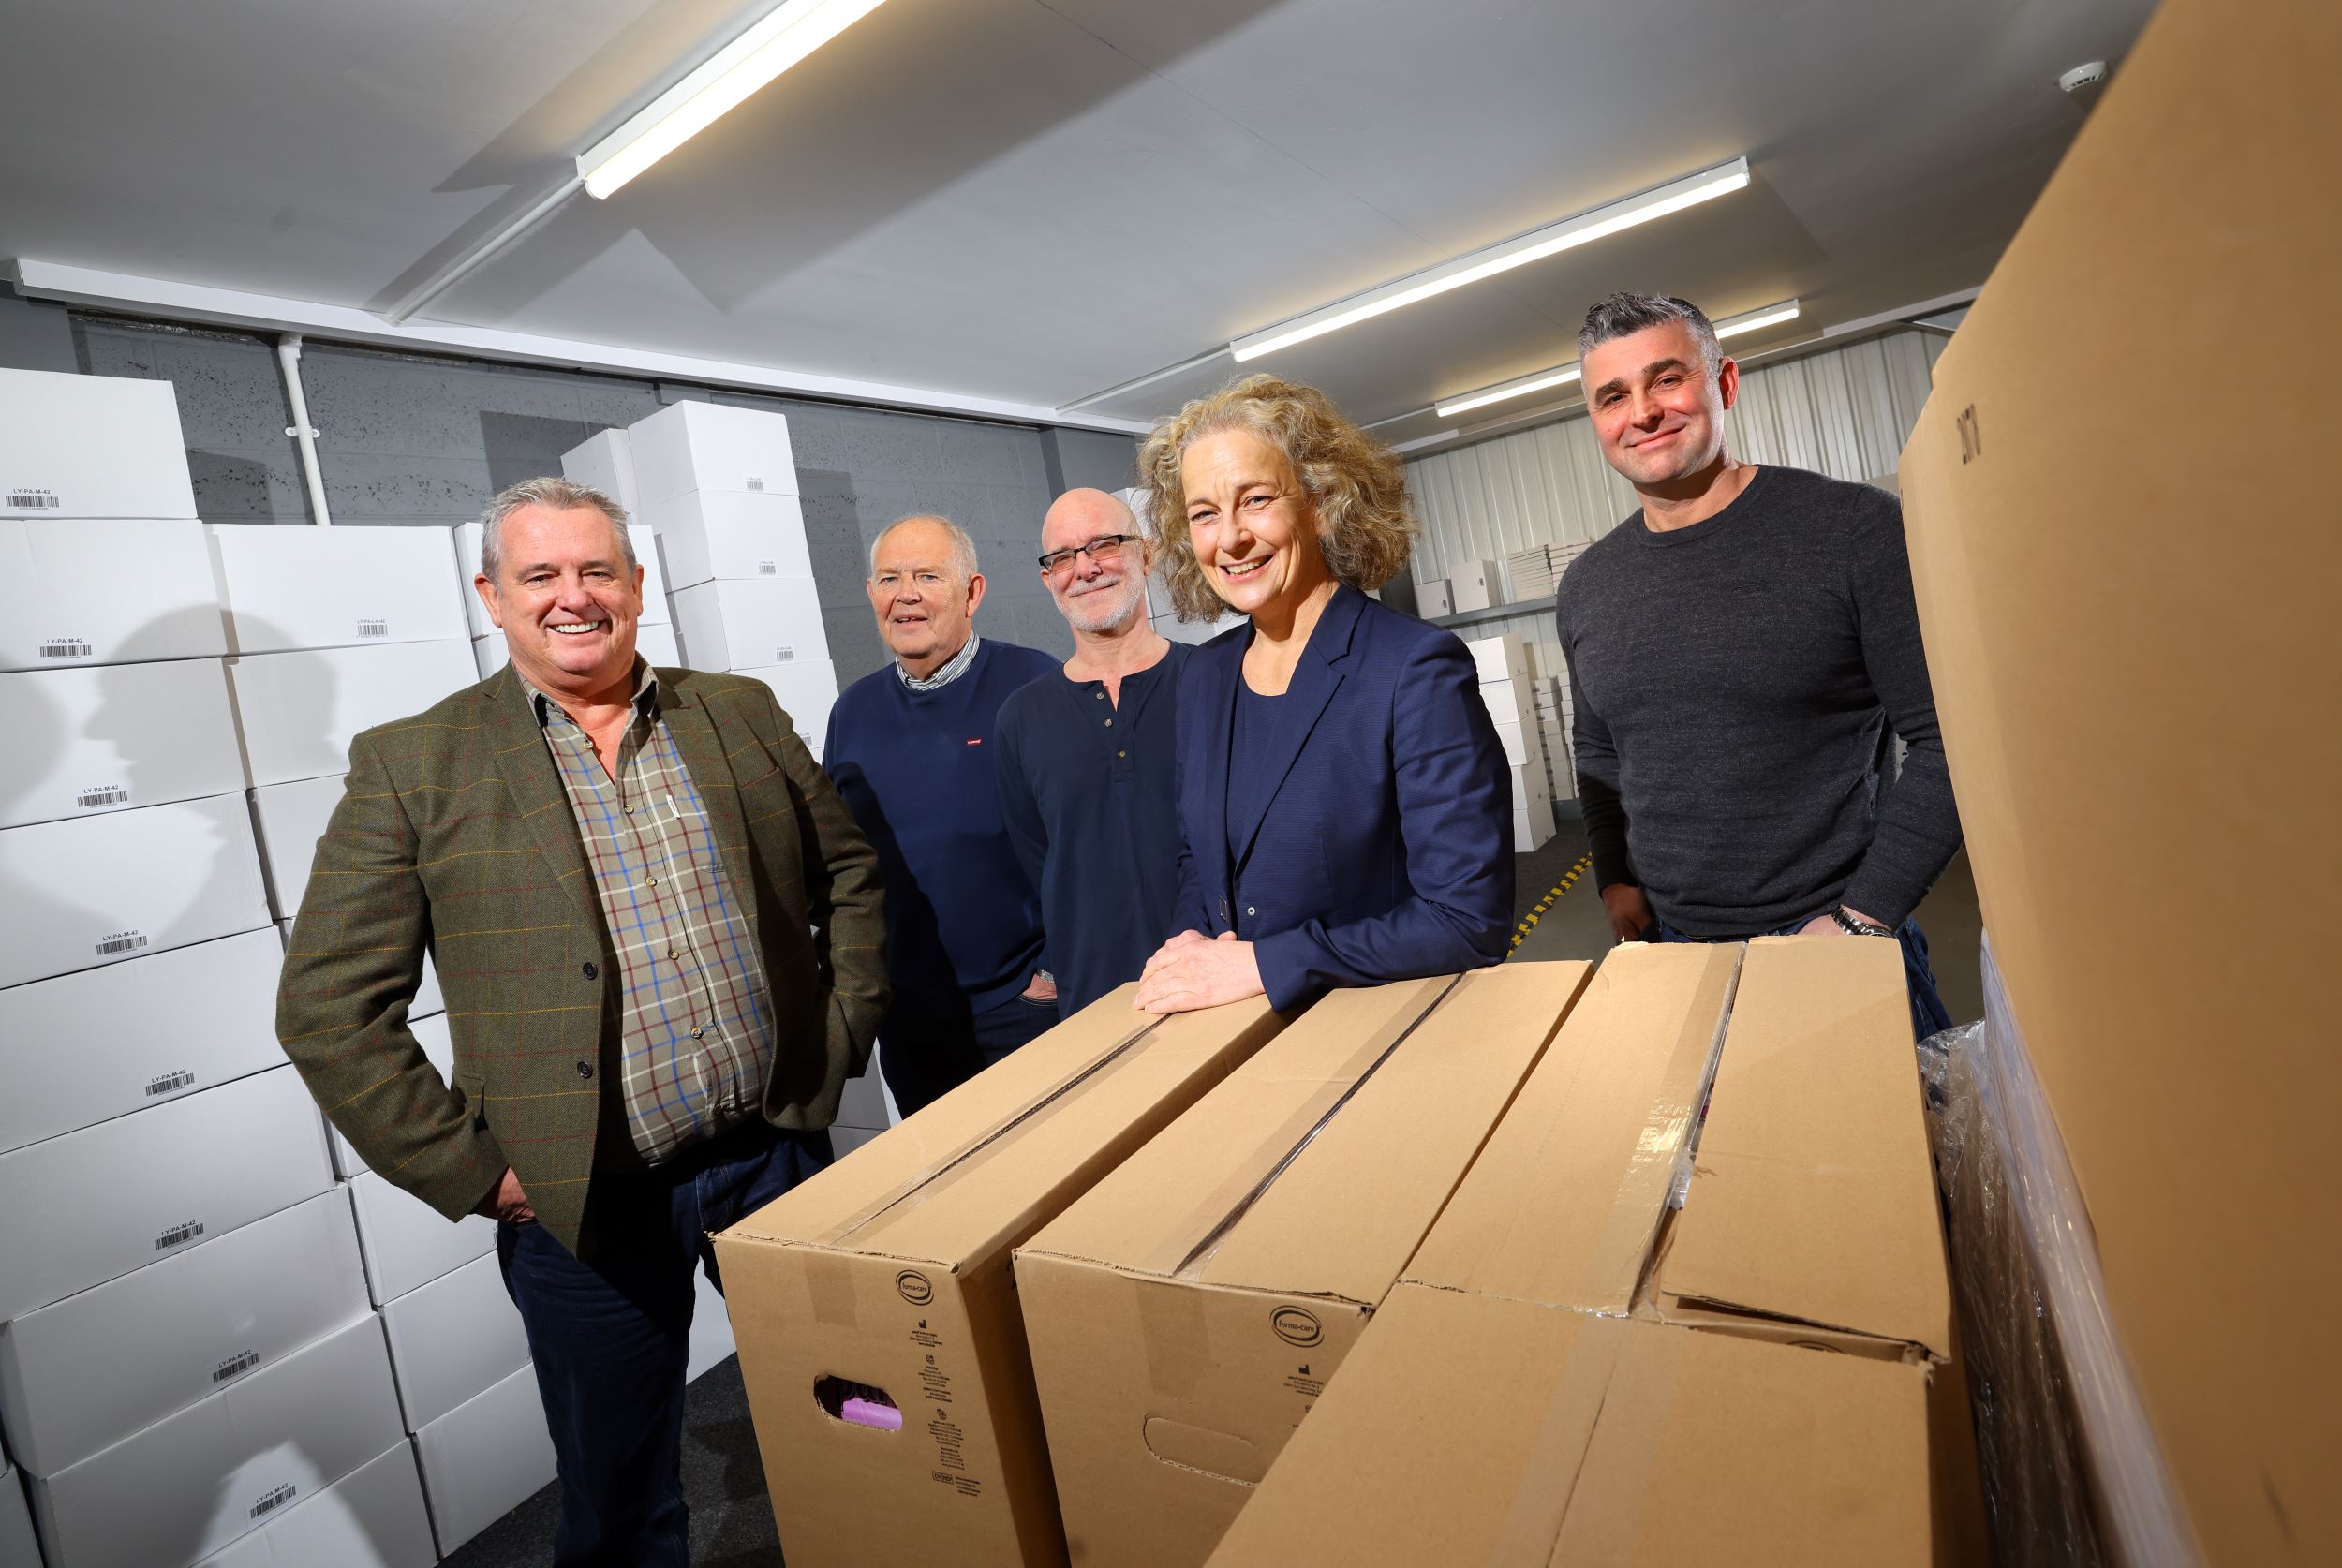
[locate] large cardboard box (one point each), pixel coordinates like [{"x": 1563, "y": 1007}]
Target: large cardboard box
[
  {"x": 91, "y": 446},
  {"x": 299, "y": 711},
  {"x": 291, "y": 818},
  {"x": 85, "y": 1373},
  {"x": 2132, "y": 642},
  {"x": 104, "y": 889},
  {"x": 81, "y": 1047},
  {"x": 644, "y": 539},
  {"x": 710, "y": 446},
  {"x": 106, "y": 593},
  {"x": 484, "y": 1458},
  {"x": 605, "y": 461},
  {"x": 710, "y": 534},
  {"x": 80, "y": 1211},
  {"x": 805, "y": 691},
  {"x": 748, "y": 623},
  {"x": 169, "y": 1495},
  {"x": 294, "y": 588},
  {"x": 20, "y": 1546},
  {"x": 373, "y": 1518},
  {"x": 91, "y": 740},
  {"x": 1474, "y": 585},
  {"x": 407, "y": 1243},
  {"x": 452, "y": 1339},
  {"x": 1500, "y": 659},
  {"x": 1185, "y": 1315},
  {"x": 883, "y": 1284}
]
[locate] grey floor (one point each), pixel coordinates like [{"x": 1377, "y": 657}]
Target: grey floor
[{"x": 723, "y": 1480}]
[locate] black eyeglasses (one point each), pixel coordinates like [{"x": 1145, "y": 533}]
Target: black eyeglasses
[{"x": 1105, "y": 545}]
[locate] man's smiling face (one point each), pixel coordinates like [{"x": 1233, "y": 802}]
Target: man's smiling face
[{"x": 565, "y": 597}]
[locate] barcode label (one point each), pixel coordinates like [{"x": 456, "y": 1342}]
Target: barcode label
[
  {"x": 121, "y": 941},
  {"x": 105, "y": 795},
  {"x": 374, "y": 628},
  {"x": 236, "y": 1366},
  {"x": 169, "y": 1083},
  {"x": 178, "y": 1235},
  {"x": 768, "y": 569},
  {"x": 783, "y": 655},
  {"x": 273, "y": 1499},
  {"x": 65, "y": 647},
  {"x": 755, "y": 483},
  {"x": 33, "y": 500}
]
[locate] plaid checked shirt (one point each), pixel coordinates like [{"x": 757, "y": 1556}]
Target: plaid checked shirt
[{"x": 696, "y": 1022}]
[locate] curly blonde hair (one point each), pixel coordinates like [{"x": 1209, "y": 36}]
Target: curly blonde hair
[{"x": 1356, "y": 486}]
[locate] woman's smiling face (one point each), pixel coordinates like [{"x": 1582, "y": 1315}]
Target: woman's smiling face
[{"x": 1253, "y": 529}]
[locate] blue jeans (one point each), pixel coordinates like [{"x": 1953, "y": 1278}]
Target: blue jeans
[
  {"x": 924, "y": 1061},
  {"x": 1927, "y": 1007},
  {"x": 611, "y": 1337}
]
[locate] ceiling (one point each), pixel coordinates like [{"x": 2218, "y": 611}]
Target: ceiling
[{"x": 1033, "y": 202}]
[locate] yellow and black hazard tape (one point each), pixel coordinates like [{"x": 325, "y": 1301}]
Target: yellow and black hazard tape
[{"x": 1569, "y": 880}]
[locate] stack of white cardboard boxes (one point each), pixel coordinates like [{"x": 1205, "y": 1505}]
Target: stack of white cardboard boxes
[
  {"x": 718, "y": 485},
  {"x": 1506, "y": 687},
  {"x": 1555, "y": 712},
  {"x": 1536, "y": 572}
]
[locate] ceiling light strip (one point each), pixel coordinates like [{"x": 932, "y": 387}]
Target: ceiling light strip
[
  {"x": 1534, "y": 246},
  {"x": 786, "y": 36},
  {"x": 1747, "y": 321}
]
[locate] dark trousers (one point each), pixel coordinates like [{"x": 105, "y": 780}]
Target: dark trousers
[
  {"x": 925, "y": 1061},
  {"x": 610, "y": 1337},
  {"x": 1927, "y": 1007}
]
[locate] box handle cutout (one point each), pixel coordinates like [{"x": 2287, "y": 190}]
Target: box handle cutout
[
  {"x": 1222, "y": 1456},
  {"x": 857, "y": 1404}
]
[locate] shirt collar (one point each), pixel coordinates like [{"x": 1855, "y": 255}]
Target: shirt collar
[
  {"x": 645, "y": 694},
  {"x": 953, "y": 668}
]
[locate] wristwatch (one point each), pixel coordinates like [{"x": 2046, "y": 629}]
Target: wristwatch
[{"x": 1854, "y": 925}]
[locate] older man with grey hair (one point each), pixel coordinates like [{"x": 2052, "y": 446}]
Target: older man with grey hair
[
  {"x": 910, "y": 746},
  {"x": 615, "y": 870},
  {"x": 1744, "y": 651}
]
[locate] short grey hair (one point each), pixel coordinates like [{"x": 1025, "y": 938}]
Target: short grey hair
[
  {"x": 1624, "y": 315},
  {"x": 963, "y": 547},
  {"x": 547, "y": 490}
]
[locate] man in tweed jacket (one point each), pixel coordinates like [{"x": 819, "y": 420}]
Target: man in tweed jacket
[{"x": 660, "y": 940}]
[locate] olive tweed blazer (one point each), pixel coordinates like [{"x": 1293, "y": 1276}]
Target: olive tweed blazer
[{"x": 453, "y": 834}]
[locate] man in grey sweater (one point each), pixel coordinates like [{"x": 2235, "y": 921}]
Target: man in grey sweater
[{"x": 1743, "y": 651}]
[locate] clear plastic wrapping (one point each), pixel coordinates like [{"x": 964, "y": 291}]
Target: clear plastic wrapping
[{"x": 2073, "y": 1475}]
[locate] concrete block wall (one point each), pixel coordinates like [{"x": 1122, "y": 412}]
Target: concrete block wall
[{"x": 418, "y": 441}]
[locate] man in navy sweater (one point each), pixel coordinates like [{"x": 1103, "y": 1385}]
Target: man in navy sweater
[
  {"x": 911, "y": 749},
  {"x": 1087, "y": 758}
]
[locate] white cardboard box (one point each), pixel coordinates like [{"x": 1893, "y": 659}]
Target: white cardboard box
[
  {"x": 299, "y": 711},
  {"x": 454, "y": 1339},
  {"x": 107, "y": 592},
  {"x": 295, "y": 587},
  {"x": 75, "y": 895},
  {"x": 1516, "y": 742},
  {"x": 1509, "y": 703},
  {"x": 656, "y": 643},
  {"x": 606, "y": 462},
  {"x": 373, "y": 1518},
  {"x": 485, "y": 1458},
  {"x": 1501, "y": 658},
  {"x": 79, "y": 1048},
  {"x": 713, "y": 533},
  {"x": 711, "y": 1327},
  {"x": 805, "y": 692},
  {"x": 709, "y": 446},
  {"x": 108, "y": 739},
  {"x": 184, "y": 1487},
  {"x": 866, "y": 1102},
  {"x": 20, "y": 1546},
  {"x": 1432, "y": 599},
  {"x": 81, "y": 1374},
  {"x": 747, "y": 624},
  {"x": 293, "y": 818},
  {"x": 1473, "y": 586},
  {"x": 438, "y": 1048},
  {"x": 645, "y": 542},
  {"x": 1533, "y": 824},
  {"x": 91, "y": 446},
  {"x": 406, "y": 1243},
  {"x": 1524, "y": 789},
  {"x": 92, "y": 1205}
]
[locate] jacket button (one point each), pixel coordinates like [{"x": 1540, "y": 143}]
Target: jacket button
[
  {"x": 1249, "y": 909},
  {"x": 584, "y": 1068},
  {"x": 591, "y": 972}
]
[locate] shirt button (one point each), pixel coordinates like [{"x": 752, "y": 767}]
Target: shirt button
[
  {"x": 1100, "y": 695},
  {"x": 653, "y": 883},
  {"x": 584, "y": 1068},
  {"x": 696, "y": 1033},
  {"x": 1109, "y": 723}
]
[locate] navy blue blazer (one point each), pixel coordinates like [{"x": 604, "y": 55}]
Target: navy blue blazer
[{"x": 1387, "y": 851}]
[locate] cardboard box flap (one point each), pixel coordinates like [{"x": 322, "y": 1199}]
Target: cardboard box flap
[
  {"x": 1812, "y": 1196},
  {"x": 1564, "y": 1206},
  {"x": 971, "y": 1172},
  {"x": 1471, "y": 1429}
]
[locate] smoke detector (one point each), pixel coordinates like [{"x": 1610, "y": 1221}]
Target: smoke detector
[{"x": 2083, "y": 79}]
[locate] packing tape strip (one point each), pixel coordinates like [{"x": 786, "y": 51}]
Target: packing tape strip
[
  {"x": 1533, "y": 1518},
  {"x": 1177, "y": 1335},
  {"x": 1219, "y": 1210},
  {"x": 1621, "y": 1462},
  {"x": 828, "y": 1286},
  {"x": 1071, "y": 1090}
]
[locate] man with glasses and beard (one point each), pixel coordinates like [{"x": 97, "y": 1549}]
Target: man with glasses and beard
[{"x": 1085, "y": 758}]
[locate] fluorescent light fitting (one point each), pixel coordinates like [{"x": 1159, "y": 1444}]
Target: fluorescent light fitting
[
  {"x": 1535, "y": 246},
  {"x": 787, "y": 35},
  {"x": 1748, "y": 321}
]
